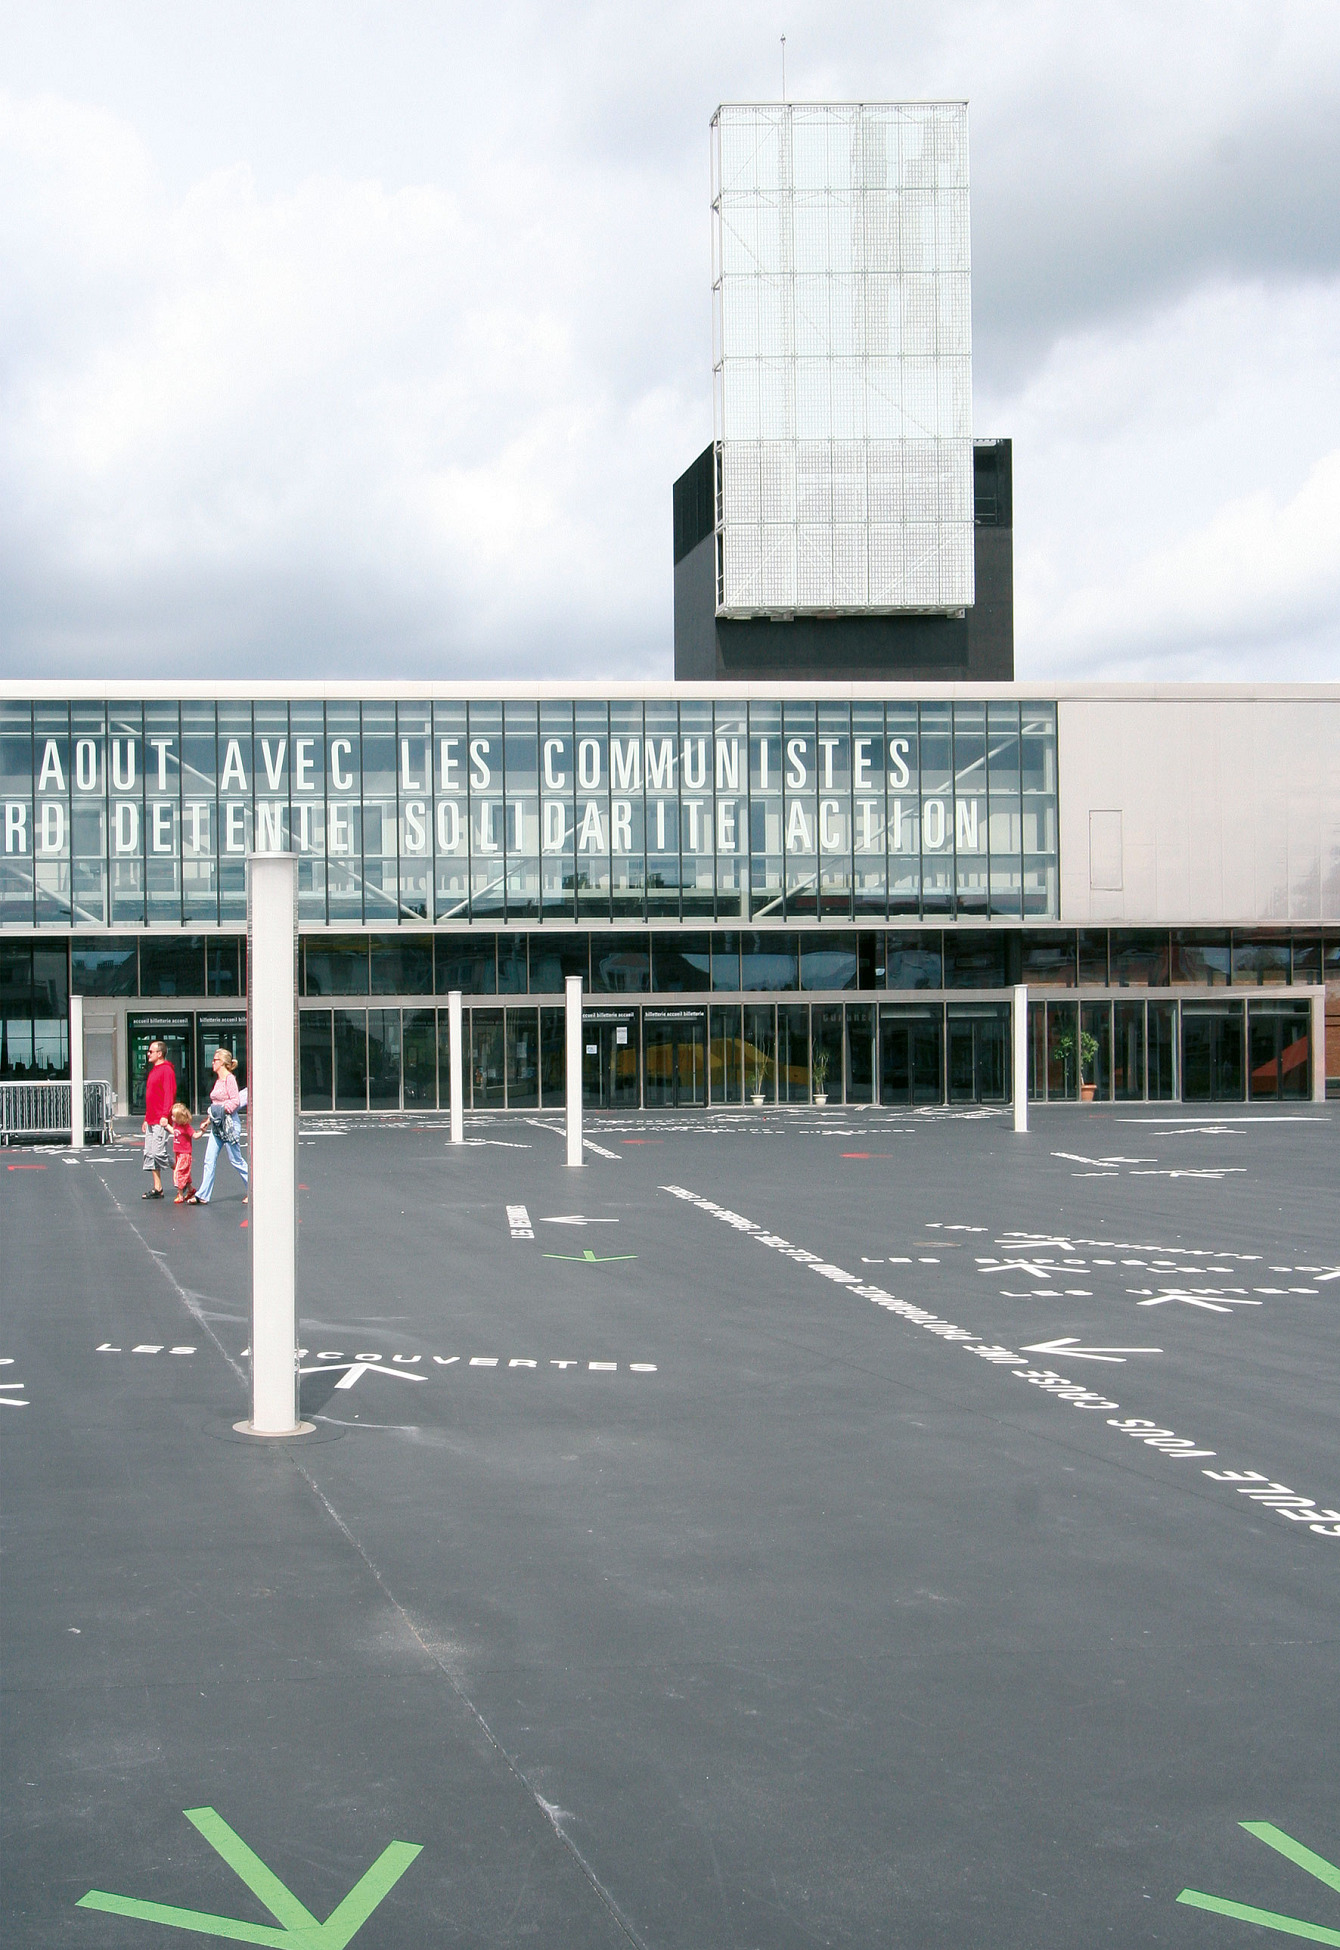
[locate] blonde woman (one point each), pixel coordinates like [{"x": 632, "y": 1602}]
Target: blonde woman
[{"x": 221, "y": 1126}]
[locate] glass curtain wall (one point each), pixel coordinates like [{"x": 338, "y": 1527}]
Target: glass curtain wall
[{"x": 488, "y": 811}]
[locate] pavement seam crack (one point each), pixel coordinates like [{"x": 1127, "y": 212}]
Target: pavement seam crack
[
  {"x": 192, "y": 1306},
  {"x": 550, "y": 1810}
]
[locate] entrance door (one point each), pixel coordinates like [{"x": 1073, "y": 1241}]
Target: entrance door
[
  {"x": 674, "y": 1055},
  {"x": 1212, "y": 1053},
  {"x": 218, "y": 1032},
  {"x": 609, "y": 1062},
  {"x": 1279, "y": 1036},
  {"x": 911, "y": 1055},
  {"x": 979, "y": 1055},
  {"x": 174, "y": 1032}
]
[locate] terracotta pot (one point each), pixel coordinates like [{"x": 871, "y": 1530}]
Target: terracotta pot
[{"x": 1086, "y": 1091}]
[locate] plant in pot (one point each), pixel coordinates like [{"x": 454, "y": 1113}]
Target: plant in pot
[
  {"x": 758, "y": 1072},
  {"x": 1088, "y": 1050},
  {"x": 821, "y": 1066},
  {"x": 1063, "y": 1052}
]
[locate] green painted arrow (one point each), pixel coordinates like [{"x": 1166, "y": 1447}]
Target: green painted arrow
[
  {"x": 299, "y": 1929},
  {"x": 591, "y": 1259},
  {"x": 1267, "y": 1919}
]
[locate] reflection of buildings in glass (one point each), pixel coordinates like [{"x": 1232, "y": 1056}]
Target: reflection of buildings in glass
[
  {"x": 839, "y": 890},
  {"x": 700, "y": 809}
]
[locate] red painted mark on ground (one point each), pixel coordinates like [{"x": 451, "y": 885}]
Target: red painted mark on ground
[
  {"x": 626, "y": 1141},
  {"x": 26, "y": 1167},
  {"x": 242, "y": 1222},
  {"x": 304, "y": 1188},
  {"x": 867, "y": 1154}
]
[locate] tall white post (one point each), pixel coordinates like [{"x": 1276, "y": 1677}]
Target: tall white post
[
  {"x": 1019, "y": 1036},
  {"x": 1319, "y": 1046},
  {"x": 456, "y": 1066},
  {"x": 77, "y": 1072},
  {"x": 572, "y": 998},
  {"x": 272, "y": 1117}
]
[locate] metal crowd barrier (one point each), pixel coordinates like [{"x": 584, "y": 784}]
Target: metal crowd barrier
[{"x": 42, "y": 1110}]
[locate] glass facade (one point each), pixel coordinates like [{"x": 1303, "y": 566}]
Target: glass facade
[
  {"x": 406, "y": 814},
  {"x": 786, "y": 898},
  {"x": 685, "y": 1016}
]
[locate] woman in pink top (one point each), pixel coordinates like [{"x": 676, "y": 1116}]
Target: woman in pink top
[{"x": 221, "y": 1126}]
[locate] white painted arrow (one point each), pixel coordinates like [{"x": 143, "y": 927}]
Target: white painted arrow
[
  {"x": 353, "y": 1369},
  {"x": 577, "y": 1219},
  {"x": 1072, "y": 1350}
]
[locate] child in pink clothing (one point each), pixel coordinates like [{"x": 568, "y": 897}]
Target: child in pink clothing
[{"x": 183, "y": 1138}]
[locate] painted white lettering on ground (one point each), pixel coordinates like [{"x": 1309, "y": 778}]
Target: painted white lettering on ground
[{"x": 1164, "y": 1441}]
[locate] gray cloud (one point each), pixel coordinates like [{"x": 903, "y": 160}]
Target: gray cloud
[{"x": 347, "y": 337}]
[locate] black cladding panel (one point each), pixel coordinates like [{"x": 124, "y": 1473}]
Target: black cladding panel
[{"x": 977, "y": 644}]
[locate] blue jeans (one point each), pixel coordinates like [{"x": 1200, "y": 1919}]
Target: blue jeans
[{"x": 212, "y": 1150}]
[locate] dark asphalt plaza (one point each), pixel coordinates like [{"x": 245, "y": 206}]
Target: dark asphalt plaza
[{"x": 801, "y": 1556}]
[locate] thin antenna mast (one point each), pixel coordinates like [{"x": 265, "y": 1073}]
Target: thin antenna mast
[{"x": 783, "y": 67}]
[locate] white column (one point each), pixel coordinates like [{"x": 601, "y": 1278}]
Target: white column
[
  {"x": 1019, "y": 1037},
  {"x": 1319, "y": 1046},
  {"x": 77, "y": 1072},
  {"x": 272, "y": 1119},
  {"x": 572, "y": 997},
  {"x": 456, "y": 1067}
]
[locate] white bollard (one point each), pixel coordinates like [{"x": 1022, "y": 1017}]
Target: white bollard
[
  {"x": 272, "y": 1118},
  {"x": 572, "y": 998},
  {"x": 456, "y": 1067},
  {"x": 76, "y": 1072},
  {"x": 1019, "y": 1032},
  {"x": 1319, "y": 1045}
]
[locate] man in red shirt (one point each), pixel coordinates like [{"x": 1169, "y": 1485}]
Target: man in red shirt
[{"x": 160, "y": 1094}]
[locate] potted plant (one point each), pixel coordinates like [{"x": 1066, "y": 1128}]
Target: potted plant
[
  {"x": 758, "y": 1071},
  {"x": 1088, "y": 1050},
  {"x": 821, "y": 1063},
  {"x": 1063, "y": 1051}
]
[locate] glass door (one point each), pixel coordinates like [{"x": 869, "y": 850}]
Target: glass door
[
  {"x": 419, "y": 1046},
  {"x": 1212, "y": 1053},
  {"x": 1279, "y": 1036},
  {"x": 675, "y": 1059},
  {"x": 609, "y": 1061},
  {"x": 174, "y": 1032},
  {"x": 488, "y": 1070},
  {"x": 523, "y": 1059},
  {"x": 979, "y": 1063},
  {"x": 911, "y": 1054},
  {"x": 217, "y": 1032}
]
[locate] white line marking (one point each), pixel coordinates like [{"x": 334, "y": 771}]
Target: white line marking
[{"x": 1069, "y": 1346}]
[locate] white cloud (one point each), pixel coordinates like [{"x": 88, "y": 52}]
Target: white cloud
[
  {"x": 361, "y": 387},
  {"x": 342, "y": 338},
  {"x": 1176, "y": 497}
]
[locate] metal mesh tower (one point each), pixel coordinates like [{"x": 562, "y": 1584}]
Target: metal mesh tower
[{"x": 843, "y": 358}]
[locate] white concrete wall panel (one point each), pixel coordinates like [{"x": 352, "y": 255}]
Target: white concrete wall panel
[{"x": 1230, "y": 809}]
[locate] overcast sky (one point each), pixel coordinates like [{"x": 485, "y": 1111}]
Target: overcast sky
[{"x": 351, "y": 340}]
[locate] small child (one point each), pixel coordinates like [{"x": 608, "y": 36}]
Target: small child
[{"x": 182, "y": 1140}]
